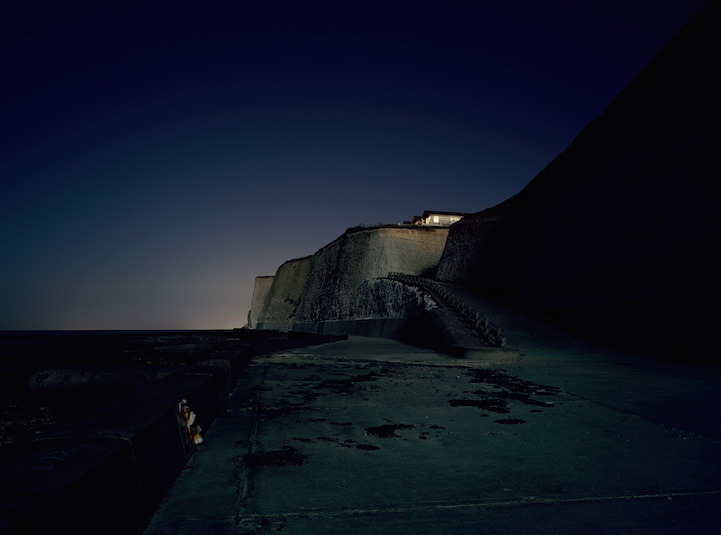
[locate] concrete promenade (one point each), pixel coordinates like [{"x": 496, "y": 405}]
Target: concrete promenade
[{"x": 370, "y": 435}]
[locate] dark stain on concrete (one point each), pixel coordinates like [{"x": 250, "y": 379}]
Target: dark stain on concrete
[
  {"x": 346, "y": 386},
  {"x": 516, "y": 396},
  {"x": 348, "y": 443},
  {"x": 514, "y": 389},
  {"x": 287, "y": 455},
  {"x": 489, "y": 404},
  {"x": 509, "y": 382},
  {"x": 388, "y": 430},
  {"x": 511, "y": 421},
  {"x": 367, "y": 447}
]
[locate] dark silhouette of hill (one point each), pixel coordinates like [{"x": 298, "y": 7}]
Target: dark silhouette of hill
[{"x": 618, "y": 237}]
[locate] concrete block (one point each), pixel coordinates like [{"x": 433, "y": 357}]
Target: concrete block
[
  {"x": 152, "y": 447},
  {"x": 107, "y": 471},
  {"x": 82, "y": 485}
]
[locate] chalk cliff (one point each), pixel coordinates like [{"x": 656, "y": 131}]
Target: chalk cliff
[
  {"x": 619, "y": 235},
  {"x": 342, "y": 280},
  {"x": 617, "y": 238}
]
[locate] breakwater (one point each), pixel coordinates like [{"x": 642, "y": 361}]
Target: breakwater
[{"x": 107, "y": 468}]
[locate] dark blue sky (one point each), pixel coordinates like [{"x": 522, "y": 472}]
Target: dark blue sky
[{"x": 154, "y": 160}]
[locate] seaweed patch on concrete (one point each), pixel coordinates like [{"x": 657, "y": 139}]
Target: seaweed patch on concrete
[
  {"x": 367, "y": 447},
  {"x": 388, "y": 430},
  {"x": 509, "y": 382},
  {"x": 513, "y": 389},
  {"x": 346, "y": 386},
  {"x": 489, "y": 403},
  {"x": 348, "y": 443},
  {"x": 497, "y": 401},
  {"x": 282, "y": 457}
]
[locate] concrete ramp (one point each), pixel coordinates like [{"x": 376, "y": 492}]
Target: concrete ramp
[{"x": 374, "y": 436}]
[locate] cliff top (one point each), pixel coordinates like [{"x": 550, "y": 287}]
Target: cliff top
[{"x": 366, "y": 228}]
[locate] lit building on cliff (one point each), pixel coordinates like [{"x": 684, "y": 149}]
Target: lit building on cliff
[{"x": 435, "y": 218}]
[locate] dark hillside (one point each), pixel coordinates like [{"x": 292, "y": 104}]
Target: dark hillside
[{"x": 619, "y": 235}]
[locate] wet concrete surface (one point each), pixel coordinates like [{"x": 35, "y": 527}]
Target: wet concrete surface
[{"x": 373, "y": 436}]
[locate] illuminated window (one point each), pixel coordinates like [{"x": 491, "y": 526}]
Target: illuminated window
[{"x": 436, "y": 219}]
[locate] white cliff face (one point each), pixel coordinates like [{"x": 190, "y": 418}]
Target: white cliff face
[
  {"x": 327, "y": 285},
  {"x": 260, "y": 293},
  {"x": 286, "y": 290}
]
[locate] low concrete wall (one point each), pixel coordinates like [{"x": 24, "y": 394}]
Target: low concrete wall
[
  {"x": 439, "y": 329},
  {"x": 372, "y": 327}
]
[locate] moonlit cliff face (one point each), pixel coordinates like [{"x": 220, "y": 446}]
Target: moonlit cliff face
[{"x": 337, "y": 281}]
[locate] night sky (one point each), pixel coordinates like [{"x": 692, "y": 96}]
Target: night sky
[{"x": 155, "y": 160}]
